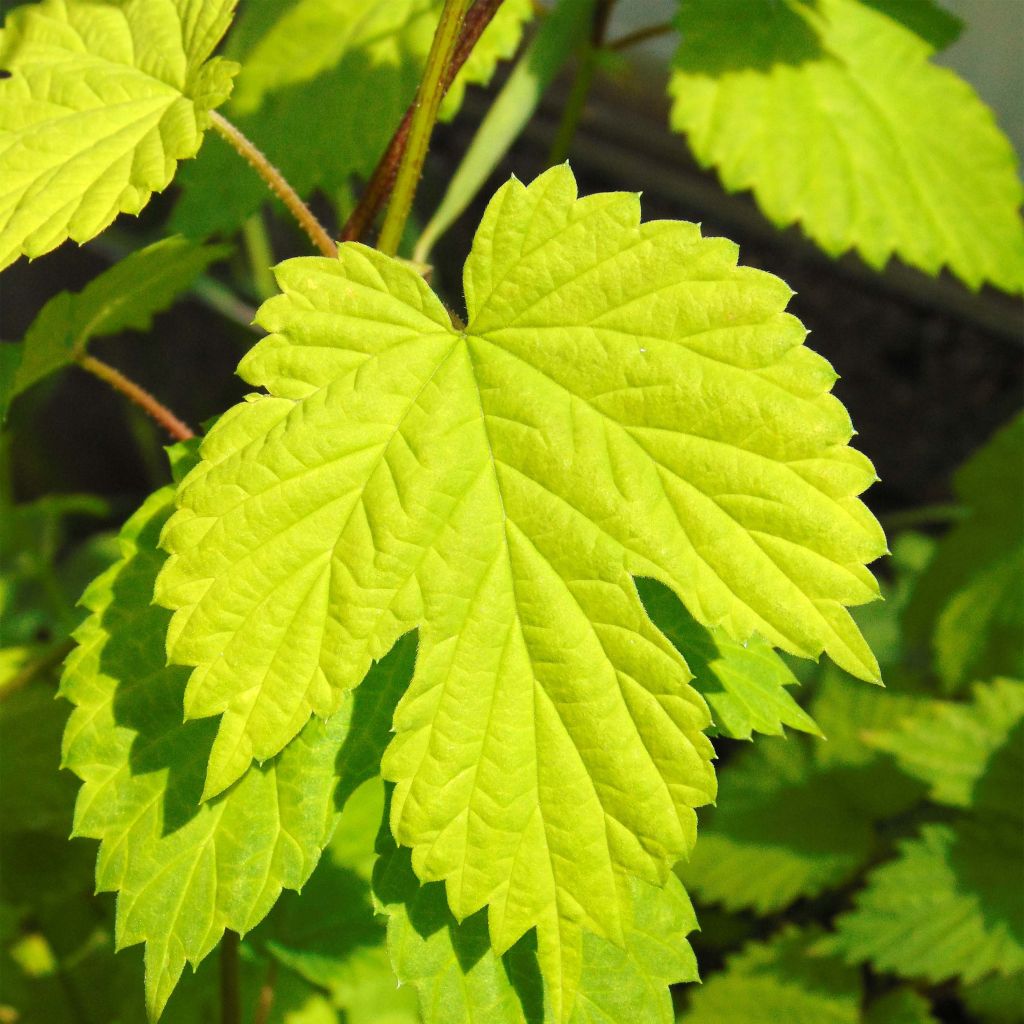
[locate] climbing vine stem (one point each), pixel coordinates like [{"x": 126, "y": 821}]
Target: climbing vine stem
[{"x": 421, "y": 126}]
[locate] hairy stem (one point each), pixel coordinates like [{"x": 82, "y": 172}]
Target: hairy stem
[
  {"x": 230, "y": 1003},
  {"x": 641, "y": 35},
  {"x": 577, "y": 100},
  {"x": 382, "y": 180},
  {"x": 421, "y": 126},
  {"x": 179, "y": 430},
  {"x": 277, "y": 184}
]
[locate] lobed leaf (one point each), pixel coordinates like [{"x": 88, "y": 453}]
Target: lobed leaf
[
  {"x": 949, "y": 906},
  {"x": 183, "y": 871},
  {"x": 954, "y": 747},
  {"x": 778, "y": 980},
  {"x": 497, "y": 487},
  {"x": 102, "y": 101},
  {"x": 833, "y": 114},
  {"x": 784, "y": 829},
  {"x": 124, "y": 297},
  {"x": 743, "y": 683}
]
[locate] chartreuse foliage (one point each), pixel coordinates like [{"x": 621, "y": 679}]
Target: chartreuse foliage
[
  {"x": 350, "y": 64},
  {"x": 102, "y": 101},
  {"x": 832, "y": 112},
  {"x": 185, "y": 871},
  {"x": 124, "y": 297},
  {"x": 496, "y": 486}
]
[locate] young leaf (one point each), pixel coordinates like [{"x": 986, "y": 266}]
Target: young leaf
[
  {"x": 833, "y": 114},
  {"x": 744, "y": 684},
  {"x": 124, "y": 297},
  {"x": 183, "y": 871},
  {"x": 968, "y": 606},
  {"x": 952, "y": 747},
  {"x": 778, "y": 980},
  {"x": 352, "y": 64},
  {"x": 783, "y": 829},
  {"x": 497, "y": 486},
  {"x": 459, "y": 977},
  {"x": 95, "y": 114},
  {"x": 950, "y": 905}
]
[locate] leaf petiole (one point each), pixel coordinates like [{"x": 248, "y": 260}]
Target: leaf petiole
[{"x": 276, "y": 182}]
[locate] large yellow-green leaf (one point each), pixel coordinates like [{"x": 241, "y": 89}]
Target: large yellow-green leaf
[
  {"x": 833, "y": 114},
  {"x": 102, "y": 101},
  {"x": 624, "y": 400},
  {"x": 183, "y": 871}
]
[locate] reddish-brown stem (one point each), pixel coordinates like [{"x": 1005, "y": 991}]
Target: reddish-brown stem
[
  {"x": 642, "y": 35},
  {"x": 277, "y": 183},
  {"x": 140, "y": 396},
  {"x": 382, "y": 180}
]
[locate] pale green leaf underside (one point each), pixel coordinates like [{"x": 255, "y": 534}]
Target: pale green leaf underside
[
  {"x": 783, "y": 829},
  {"x": 350, "y": 64},
  {"x": 951, "y": 905},
  {"x": 832, "y": 113},
  {"x": 952, "y": 747},
  {"x": 745, "y": 684},
  {"x": 461, "y": 980},
  {"x": 625, "y": 400},
  {"x": 102, "y": 101},
  {"x": 124, "y": 297},
  {"x": 775, "y": 981},
  {"x": 183, "y": 871}
]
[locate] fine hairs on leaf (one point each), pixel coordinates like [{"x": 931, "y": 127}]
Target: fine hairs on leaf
[{"x": 457, "y": 494}]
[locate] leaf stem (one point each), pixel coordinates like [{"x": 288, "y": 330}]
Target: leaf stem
[
  {"x": 230, "y": 1003},
  {"x": 179, "y": 430},
  {"x": 642, "y": 35},
  {"x": 260, "y": 254},
  {"x": 382, "y": 181},
  {"x": 277, "y": 184},
  {"x": 577, "y": 100},
  {"x": 421, "y": 126}
]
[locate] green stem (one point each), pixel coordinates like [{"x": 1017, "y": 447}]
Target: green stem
[
  {"x": 577, "y": 100},
  {"x": 382, "y": 180},
  {"x": 230, "y": 1003},
  {"x": 421, "y": 127},
  {"x": 179, "y": 430},
  {"x": 277, "y": 183},
  {"x": 261, "y": 256}
]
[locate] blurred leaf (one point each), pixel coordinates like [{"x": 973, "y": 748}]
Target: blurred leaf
[
  {"x": 778, "y": 981},
  {"x": 969, "y": 603},
  {"x": 996, "y": 999},
  {"x": 745, "y": 684},
  {"x": 782, "y": 829},
  {"x": 352, "y": 64},
  {"x": 834, "y": 115},
  {"x": 934, "y": 24},
  {"x": 950, "y": 905},
  {"x": 901, "y": 1006},
  {"x": 124, "y": 297},
  {"x": 953, "y": 746}
]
